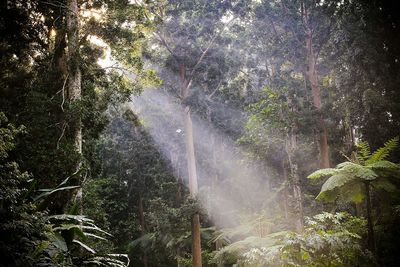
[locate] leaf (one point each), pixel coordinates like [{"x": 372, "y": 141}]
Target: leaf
[
  {"x": 323, "y": 172},
  {"x": 336, "y": 181},
  {"x": 364, "y": 149},
  {"x": 385, "y": 185},
  {"x": 95, "y": 236},
  {"x": 352, "y": 192},
  {"x": 360, "y": 171},
  {"x": 47, "y": 193},
  {"x": 384, "y": 164},
  {"x": 64, "y": 217},
  {"x": 60, "y": 243},
  {"x": 144, "y": 241},
  {"x": 84, "y": 246},
  {"x": 383, "y": 152}
]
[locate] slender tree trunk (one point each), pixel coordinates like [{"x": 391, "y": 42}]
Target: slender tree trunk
[
  {"x": 191, "y": 162},
  {"x": 371, "y": 238},
  {"x": 74, "y": 83},
  {"x": 142, "y": 227},
  {"x": 285, "y": 191},
  {"x": 74, "y": 72},
  {"x": 312, "y": 78},
  {"x": 290, "y": 146}
]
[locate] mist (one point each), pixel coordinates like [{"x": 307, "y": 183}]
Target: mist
[{"x": 231, "y": 186}]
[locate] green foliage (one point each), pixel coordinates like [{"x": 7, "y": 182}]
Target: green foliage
[
  {"x": 346, "y": 179},
  {"x": 327, "y": 237}
]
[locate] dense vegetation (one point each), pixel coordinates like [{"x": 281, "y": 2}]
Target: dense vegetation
[{"x": 199, "y": 133}]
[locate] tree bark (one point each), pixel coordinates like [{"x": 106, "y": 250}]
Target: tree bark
[
  {"x": 74, "y": 83},
  {"x": 191, "y": 162},
  {"x": 312, "y": 78},
  {"x": 371, "y": 238},
  {"x": 285, "y": 190},
  {"x": 142, "y": 227},
  {"x": 74, "y": 72},
  {"x": 196, "y": 241},
  {"x": 290, "y": 146}
]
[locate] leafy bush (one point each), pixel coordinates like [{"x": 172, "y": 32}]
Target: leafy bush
[{"x": 327, "y": 240}]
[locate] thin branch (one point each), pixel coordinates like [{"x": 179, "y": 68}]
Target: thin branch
[
  {"x": 62, "y": 134},
  {"x": 164, "y": 42},
  {"x": 63, "y": 93},
  {"x": 216, "y": 89}
]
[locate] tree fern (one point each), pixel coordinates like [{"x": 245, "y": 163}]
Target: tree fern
[
  {"x": 322, "y": 173},
  {"x": 359, "y": 171},
  {"x": 334, "y": 182},
  {"x": 383, "y": 152},
  {"x": 384, "y": 164},
  {"x": 364, "y": 151}
]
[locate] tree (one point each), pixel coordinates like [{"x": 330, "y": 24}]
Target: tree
[
  {"x": 181, "y": 38},
  {"x": 352, "y": 180}
]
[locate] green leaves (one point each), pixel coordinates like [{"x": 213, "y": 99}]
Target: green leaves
[
  {"x": 383, "y": 152},
  {"x": 348, "y": 177},
  {"x": 322, "y": 173},
  {"x": 327, "y": 237},
  {"x": 335, "y": 182}
]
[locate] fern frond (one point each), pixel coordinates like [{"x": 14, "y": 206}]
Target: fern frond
[
  {"x": 383, "y": 152},
  {"x": 343, "y": 164},
  {"x": 336, "y": 181},
  {"x": 364, "y": 150},
  {"x": 322, "y": 173},
  {"x": 384, "y": 165},
  {"x": 359, "y": 171},
  {"x": 385, "y": 185},
  {"x": 352, "y": 192}
]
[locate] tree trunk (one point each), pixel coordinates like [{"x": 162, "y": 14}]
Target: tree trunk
[
  {"x": 371, "y": 238},
  {"x": 142, "y": 227},
  {"x": 312, "y": 78},
  {"x": 74, "y": 72},
  {"x": 290, "y": 147},
  {"x": 285, "y": 191},
  {"x": 196, "y": 241},
  {"x": 74, "y": 83},
  {"x": 191, "y": 162}
]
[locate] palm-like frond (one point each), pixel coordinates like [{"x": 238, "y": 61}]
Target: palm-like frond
[
  {"x": 364, "y": 151},
  {"x": 384, "y": 164},
  {"x": 334, "y": 182},
  {"x": 322, "y": 173},
  {"x": 383, "y": 152},
  {"x": 357, "y": 170}
]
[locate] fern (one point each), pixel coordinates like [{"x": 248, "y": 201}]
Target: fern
[
  {"x": 360, "y": 171},
  {"x": 383, "y": 152},
  {"x": 334, "y": 182},
  {"x": 364, "y": 151},
  {"x": 322, "y": 173},
  {"x": 385, "y": 184},
  {"x": 384, "y": 164}
]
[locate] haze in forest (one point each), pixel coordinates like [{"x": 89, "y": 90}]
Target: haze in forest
[{"x": 231, "y": 186}]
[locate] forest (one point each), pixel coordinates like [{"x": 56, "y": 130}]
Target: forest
[{"x": 247, "y": 133}]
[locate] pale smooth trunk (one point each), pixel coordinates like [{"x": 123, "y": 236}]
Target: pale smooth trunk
[
  {"x": 74, "y": 82},
  {"x": 191, "y": 162}
]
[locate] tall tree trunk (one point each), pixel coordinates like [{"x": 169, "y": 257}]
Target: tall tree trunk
[
  {"x": 191, "y": 162},
  {"x": 312, "y": 78},
  {"x": 142, "y": 226},
  {"x": 74, "y": 82},
  {"x": 74, "y": 71},
  {"x": 290, "y": 147},
  {"x": 371, "y": 238},
  {"x": 285, "y": 190}
]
